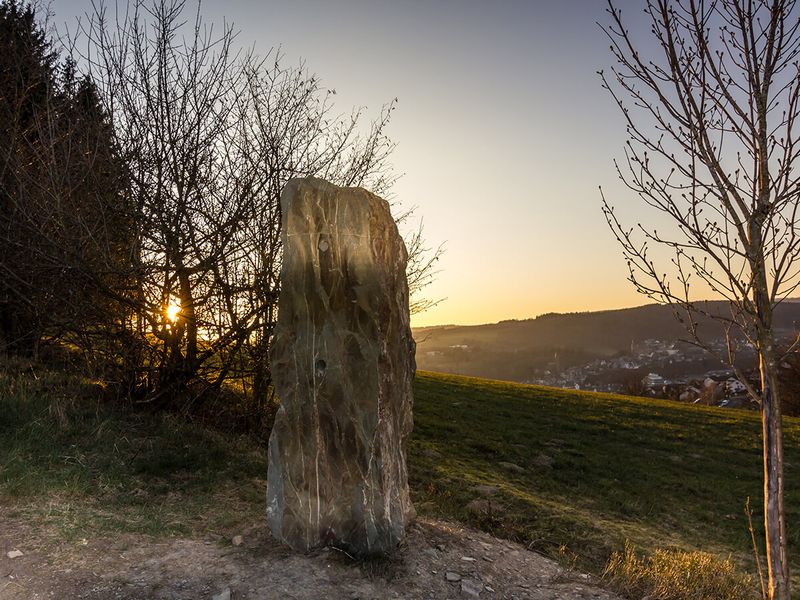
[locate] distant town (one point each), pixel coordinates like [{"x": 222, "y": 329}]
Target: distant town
[
  {"x": 671, "y": 369},
  {"x": 636, "y": 351},
  {"x": 652, "y": 368}
]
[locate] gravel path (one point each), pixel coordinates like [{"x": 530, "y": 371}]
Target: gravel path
[{"x": 436, "y": 561}]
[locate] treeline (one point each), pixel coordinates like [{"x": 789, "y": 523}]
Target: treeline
[
  {"x": 140, "y": 184},
  {"x": 602, "y": 332}
]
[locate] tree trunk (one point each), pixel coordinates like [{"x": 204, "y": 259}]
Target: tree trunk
[
  {"x": 774, "y": 521},
  {"x": 772, "y": 431},
  {"x": 190, "y": 320},
  {"x": 774, "y": 516}
]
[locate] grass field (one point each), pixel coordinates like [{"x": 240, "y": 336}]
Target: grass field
[
  {"x": 586, "y": 471},
  {"x": 599, "y": 468},
  {"x": 70, "y": 461}
]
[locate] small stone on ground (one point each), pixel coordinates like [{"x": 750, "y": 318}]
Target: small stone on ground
[
  {"x": 486, "y": 490},
  {"x": 223, "y": 595},
  {"x": 471, "y": 589},
  {"x": 431, "y": 453},
  {"x": 514, "y": 468},
  {"x": 484, "y": 507}
]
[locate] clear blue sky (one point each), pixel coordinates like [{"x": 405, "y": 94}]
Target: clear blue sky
[{"x": 503, "y": 134}]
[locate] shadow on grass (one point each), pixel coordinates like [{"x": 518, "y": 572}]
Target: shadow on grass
[{"x": 69, "y": 459}]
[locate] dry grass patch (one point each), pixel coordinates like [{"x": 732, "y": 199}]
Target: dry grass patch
[{"x": 677, "y": 575}]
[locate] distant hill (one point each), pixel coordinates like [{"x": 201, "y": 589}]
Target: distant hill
[{"x": 509, "y": 349}]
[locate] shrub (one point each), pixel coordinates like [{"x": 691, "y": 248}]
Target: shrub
[{"x": 677, "y": 575}]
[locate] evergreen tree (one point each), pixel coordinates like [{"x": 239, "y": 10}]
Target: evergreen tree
[
  {"x": 26, "y": 82},
  {"x": 65, "y": 238}
]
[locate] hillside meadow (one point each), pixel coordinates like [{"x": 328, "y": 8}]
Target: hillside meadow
[
  {"x": 572, "y": 475},
  {"x": 599, "y": 469}
]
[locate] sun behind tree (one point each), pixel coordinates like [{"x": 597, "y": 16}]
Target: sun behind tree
[{"x": 173, "y": 309}]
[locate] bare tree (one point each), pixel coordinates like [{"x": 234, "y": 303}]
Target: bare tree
[
  {"x": 712, "y": 116},
  {"x": 174, "y": 105},
  {"x": 210, "y": 136},
  {"x": 64, "y": 231},
  {"x": 421, "y": 270}
]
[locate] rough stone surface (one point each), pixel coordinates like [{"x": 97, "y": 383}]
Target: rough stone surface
[{"x": 342, "y": 362}]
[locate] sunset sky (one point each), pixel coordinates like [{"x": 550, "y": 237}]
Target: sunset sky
[{"x": 503, "y": 135}]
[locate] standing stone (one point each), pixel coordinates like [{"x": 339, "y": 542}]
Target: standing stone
[{"x": 342, "y": 363}]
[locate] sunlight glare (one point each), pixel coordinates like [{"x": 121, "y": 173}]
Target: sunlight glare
[{"x": 173, "y": 309}]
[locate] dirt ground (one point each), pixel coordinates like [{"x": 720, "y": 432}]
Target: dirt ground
[{"x": 436, "y": 560}]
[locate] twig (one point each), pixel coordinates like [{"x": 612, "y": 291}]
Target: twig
[{"x": 749, "y": 514}]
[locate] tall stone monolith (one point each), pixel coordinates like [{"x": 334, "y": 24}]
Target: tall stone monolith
[{"x": 342, "y": 362}]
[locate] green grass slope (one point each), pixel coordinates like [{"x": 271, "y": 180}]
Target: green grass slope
[
  {"x": 73, "y": 463},
  {"x": 598, "y": 468},
  {"x": 594, "y": 469}
]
